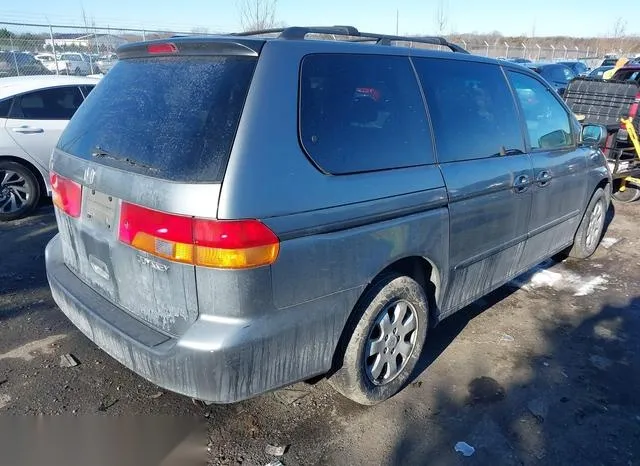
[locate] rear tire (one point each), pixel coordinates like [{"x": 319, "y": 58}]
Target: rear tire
[
  {"x": 19, "y": 191},
  {"x": 388, "y": 330},
  {"x": 591, "y": 227}
]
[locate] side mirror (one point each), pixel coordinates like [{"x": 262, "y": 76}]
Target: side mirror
[
  {"x": 594, "y": 135},
  {"x": 554, "y": 140}
]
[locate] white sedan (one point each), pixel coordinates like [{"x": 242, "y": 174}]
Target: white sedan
[{"x": 34, "y": 110}]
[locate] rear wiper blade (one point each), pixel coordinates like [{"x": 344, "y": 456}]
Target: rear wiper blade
[{"x": 103, "y": 154}]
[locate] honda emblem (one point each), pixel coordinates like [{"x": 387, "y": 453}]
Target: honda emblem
[{"x": 89, "y": 175}]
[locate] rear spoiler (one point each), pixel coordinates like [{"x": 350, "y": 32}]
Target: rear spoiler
[{"x": 192, "y": 46}]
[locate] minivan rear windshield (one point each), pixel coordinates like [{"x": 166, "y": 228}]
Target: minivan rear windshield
[{"x": 168, "y": 117}]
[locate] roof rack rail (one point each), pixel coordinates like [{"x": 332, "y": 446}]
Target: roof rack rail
[{"x": 300, "y": 33}]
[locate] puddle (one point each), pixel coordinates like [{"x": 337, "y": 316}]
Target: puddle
[{"x": 485, "y": 390}]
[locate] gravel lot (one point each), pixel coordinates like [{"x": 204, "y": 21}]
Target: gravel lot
[{"x": 544, "y": 371}]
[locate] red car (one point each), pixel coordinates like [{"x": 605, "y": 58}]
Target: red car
[{"x": 629, "y": 72}]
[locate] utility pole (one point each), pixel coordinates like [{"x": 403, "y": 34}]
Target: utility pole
[
  {"x": 397, "y": 20},
  {"x": 53, "y": 48}
]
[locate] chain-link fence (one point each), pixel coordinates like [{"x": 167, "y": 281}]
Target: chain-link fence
[
  {"x": 31, "y": 49},
  {"x": 592, "y": 57},
  {"x": 27, "y": 49}
]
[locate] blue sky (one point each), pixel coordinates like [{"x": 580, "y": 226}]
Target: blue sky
[{"x": 544, "y": 17}]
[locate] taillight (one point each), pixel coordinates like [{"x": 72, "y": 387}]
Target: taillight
[
  {"x": 167, "y": 47},
  {"x": 66, "y": 194},
  {"x": 228, "y": 244}
]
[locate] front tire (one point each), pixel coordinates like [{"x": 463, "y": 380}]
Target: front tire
[
  {"x": 591, "y": 227},
  {"x": 19, "y": 191},
  {"x": 388, "y": 331}
]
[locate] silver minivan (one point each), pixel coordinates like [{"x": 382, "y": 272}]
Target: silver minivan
[{"x": 238, "y": 213}]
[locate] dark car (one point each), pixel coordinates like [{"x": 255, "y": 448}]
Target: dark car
[
  {"x": 630, "y": 72},
  {"x": 599, "y": 72},
  {"x": 555, "y": 74},
  {"x": 578, "y": 67},
  {"x": 609, "y": 61},
  {"x": 20, "y": 64}
]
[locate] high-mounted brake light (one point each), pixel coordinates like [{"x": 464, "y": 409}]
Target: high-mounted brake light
[
  {"x": 228, "y": 244},
  {"x": 66, "y": 194},
  {"x": 166, "y": 47}
]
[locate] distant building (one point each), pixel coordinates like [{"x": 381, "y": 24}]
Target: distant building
[{"x": 87, "y": 41}]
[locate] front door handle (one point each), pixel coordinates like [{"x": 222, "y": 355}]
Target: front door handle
[
  {"x": 543, "y": 178},
  {"x": 27, "y": 130},
  {"x": 521, "y": 183}
]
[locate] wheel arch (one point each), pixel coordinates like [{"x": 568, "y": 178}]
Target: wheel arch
[
  {"x": 422, "y": 270},
  {"x": 605, "y": 184}
]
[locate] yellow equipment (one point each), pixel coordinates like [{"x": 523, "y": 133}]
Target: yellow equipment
[{"x": 633, "y": 136}]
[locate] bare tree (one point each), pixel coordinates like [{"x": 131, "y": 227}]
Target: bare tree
[
  {"x": 619, "y": 28},
  {"x": 257, "y": 14},
  {"x": 619, "y": 32},
  {"x": 442, "y": 16}
]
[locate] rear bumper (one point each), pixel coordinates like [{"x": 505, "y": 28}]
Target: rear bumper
[{"x": 220, "y": 360}]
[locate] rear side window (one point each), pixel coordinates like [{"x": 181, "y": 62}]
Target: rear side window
[
  {"x": 362, "y": 113},
  {"x": 59, "y": 103},
  {"x": 5, "y": 107},
  {"x": 170, "y": 117},
  {"x": 472, "y": 109},
  {"x": 86, "y": 90}
]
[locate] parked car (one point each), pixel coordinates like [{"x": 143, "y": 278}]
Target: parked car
[
  {"x": 629, "y": 72},
  {"x": 33, "y": 112},
  {"x": 609, "y": 61},
  {"x": 599, "y": 72},
  {"x": 20, "y": 64},
  {"x": 76, "y": 63},
  {"x": 106, "y": 62},
  {"x": 220, "y": 252},
  {"x": 579, "y": 68},
  {"x": 556, "y": 74}
]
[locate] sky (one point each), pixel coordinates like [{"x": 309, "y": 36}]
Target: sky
[{"x": 577, "y": 18}]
